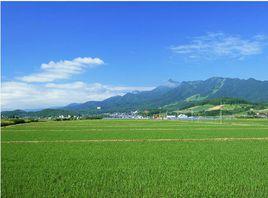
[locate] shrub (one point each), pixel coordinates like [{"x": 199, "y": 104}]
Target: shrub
[{"x": 18, "y": 121}]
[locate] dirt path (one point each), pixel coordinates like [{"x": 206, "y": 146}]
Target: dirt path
[{"x": 138, "y": 140}]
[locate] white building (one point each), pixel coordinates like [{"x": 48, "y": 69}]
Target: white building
[{"x": 171, "y": 117}]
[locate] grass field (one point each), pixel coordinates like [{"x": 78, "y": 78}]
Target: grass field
[{"x": 131, "y": 158}]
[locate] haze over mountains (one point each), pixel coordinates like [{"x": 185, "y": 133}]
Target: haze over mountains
[{"x": 172, "y": 93}]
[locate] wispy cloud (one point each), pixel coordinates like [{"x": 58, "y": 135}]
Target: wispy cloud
[
  {"x": 220, "y": 45},
  {"x": 63, "y": 69},
  {"x": 22, "y": 95}
]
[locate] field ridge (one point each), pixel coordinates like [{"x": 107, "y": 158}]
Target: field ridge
[{"x": 141, "y": 140}]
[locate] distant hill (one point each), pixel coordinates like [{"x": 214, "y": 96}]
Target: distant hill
[
  {"x": 15, "y": 113},
  {"x": 128, "y": 102},
  {"x": 42, "y": 113},
  {"x": 181, "y": 93},
  {"x": 172, "y": 95}
]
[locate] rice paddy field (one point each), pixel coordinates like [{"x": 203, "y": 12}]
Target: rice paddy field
[{"x": 135, "y": 158}]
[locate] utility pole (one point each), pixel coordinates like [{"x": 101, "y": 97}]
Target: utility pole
[{"x": 221, "y": 112}]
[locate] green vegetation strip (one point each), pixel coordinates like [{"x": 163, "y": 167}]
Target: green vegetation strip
[{"x": 141, "y": 140}]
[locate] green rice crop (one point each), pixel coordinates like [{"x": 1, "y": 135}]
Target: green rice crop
[
  {"x": 134, "y": 129},
  {"x": 135, "y": 169}
]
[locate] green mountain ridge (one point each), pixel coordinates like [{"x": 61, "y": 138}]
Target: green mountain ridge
[{"x": 251, "y": 90}]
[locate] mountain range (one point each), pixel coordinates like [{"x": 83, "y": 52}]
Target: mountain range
[
  {"x": 180, "y": 93},
  {"x": 172, "y": 93}
]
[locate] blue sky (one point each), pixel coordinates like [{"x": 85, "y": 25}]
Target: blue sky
[{"x": 101, "y": 49}]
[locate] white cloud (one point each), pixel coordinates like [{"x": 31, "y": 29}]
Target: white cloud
[
  {"x": 63, "y": 69},
  {"x": 220, "y": 45},
  {"x": 21, "y": 95},
  {"x": 38, "y": 90}
]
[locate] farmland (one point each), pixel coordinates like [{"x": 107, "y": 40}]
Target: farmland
[{"x": 149, "y": 158}]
